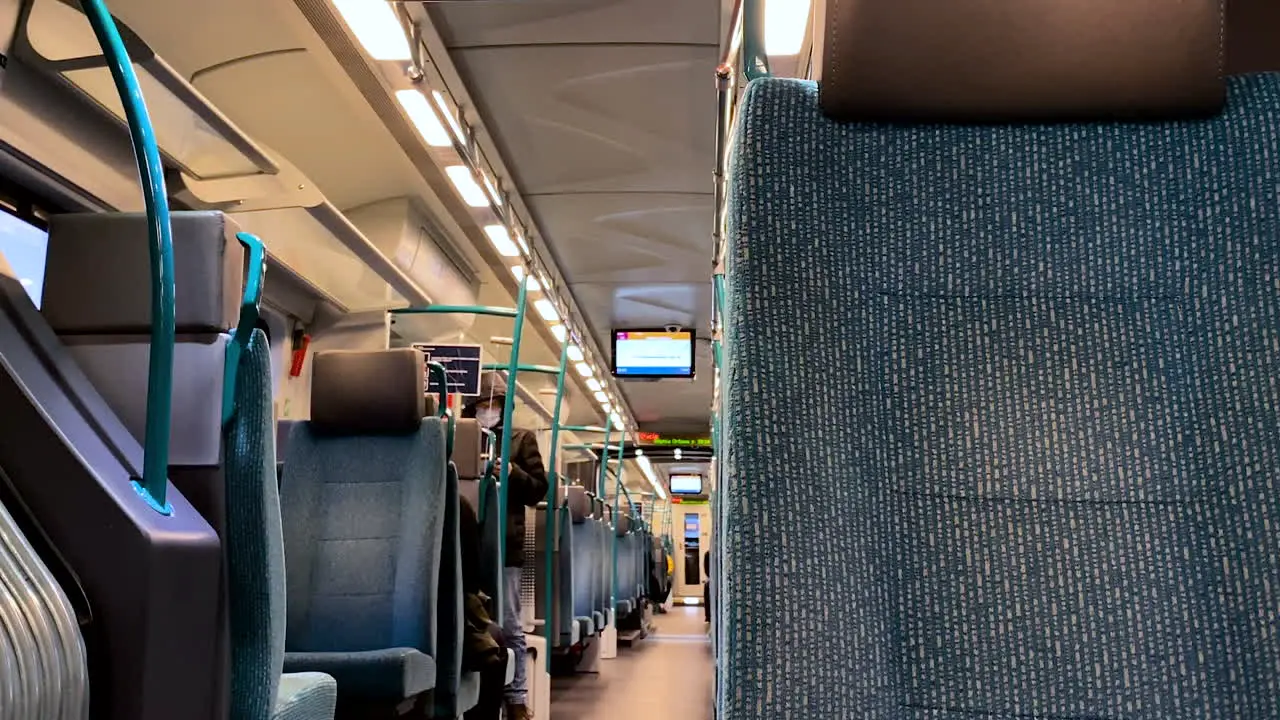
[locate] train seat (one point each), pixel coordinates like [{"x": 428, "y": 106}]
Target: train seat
[
  {"x": 583, "y": 560},
  {"x": 1047, "y": 428},
  {"x": 81, "y": 366},
  {"x": 254, "y": 548},
  {"x": 363, "y": 517}
]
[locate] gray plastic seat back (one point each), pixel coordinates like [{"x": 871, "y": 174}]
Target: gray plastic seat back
[{"x": 151, "y": 655}]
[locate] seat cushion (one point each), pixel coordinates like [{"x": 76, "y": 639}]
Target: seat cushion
[
  {"x": 1047, "y": 411},
  {"x": 376, "y": 674}
]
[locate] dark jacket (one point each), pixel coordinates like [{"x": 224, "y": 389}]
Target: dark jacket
[{"x": 527, "y": 486}]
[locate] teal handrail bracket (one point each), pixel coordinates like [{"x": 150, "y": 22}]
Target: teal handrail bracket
[
  {"x": 155, "y": 461},
  {"x": 755, "y": 58},
  {"x": 250, "y": 308}
]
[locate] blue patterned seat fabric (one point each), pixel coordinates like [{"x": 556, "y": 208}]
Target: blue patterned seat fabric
[
  {"x": 255, "y": 560},
  {"x": 1005, "y": 416},
  {"x": 364, "y": 515}
]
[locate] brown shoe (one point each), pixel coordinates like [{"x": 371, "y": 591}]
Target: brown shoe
[{"x": 519, "y": 712}]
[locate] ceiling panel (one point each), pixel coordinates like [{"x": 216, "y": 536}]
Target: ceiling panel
[
  {"x": 519, "y": 22},
  {"x": 599, "y": 118},
  {"x": 649, "y": 238},
  {"x": 287, "y": 102},
  {"x": 604, "y": 111}
]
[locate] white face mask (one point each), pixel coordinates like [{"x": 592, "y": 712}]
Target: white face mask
[{"x": 489, "y": 417}]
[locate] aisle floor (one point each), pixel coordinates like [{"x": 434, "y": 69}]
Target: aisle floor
[{"x": 667, "y": 675}]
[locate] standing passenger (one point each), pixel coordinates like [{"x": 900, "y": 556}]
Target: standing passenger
[{"x": 526, "y": 487}]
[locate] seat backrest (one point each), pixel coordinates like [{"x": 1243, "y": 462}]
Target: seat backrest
[
  {"x": 1048, "y": 425},
  {"x": 252, "y": 540},
  {"x": 363, "y": 507}
]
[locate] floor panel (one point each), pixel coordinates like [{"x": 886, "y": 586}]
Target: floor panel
[{"x": 667, "y": 675}]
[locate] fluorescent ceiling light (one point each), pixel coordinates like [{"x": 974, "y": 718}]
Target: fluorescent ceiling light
[
  {"x": 617, "y": 421},
  {"x": 465, "y": 182},
  {"x": 607, "y": 407},
  {"x": 518, "y": 271},
  {"x": 585, "y": 370},
  {"x": 647, "y": 468},
  {"x": 547, "y": 310},
  {"x": 375, "y": 25},
  {"x": 594, "y": 384},
  {"x": 523, "y": 245},
  {"x": 601, "y": 397},
  {"x": 449, "y": 115},
  {"x": 785, "y": 22},
  {"x": 501, "y": 240},
  {"x": 424, "y": 119},
  {"x": 560, "y": 333},
  {"x": 575, "y": 353}
]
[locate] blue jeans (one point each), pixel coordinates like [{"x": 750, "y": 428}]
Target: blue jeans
[{"x": 517, "y": 693}]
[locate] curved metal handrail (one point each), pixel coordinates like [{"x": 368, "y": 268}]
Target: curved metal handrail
[{"x": 155, "y": 461}]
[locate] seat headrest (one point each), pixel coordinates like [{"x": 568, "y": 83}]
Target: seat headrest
[
  {"x": 467, "y": 448},
  {"x": 99, "y": 256},
  {"x": 580, "y": 505},
  {"x": 1252, "y": 26},
  {"x": 1013, "y": 60},
  {"x": 360, "y": 392}
]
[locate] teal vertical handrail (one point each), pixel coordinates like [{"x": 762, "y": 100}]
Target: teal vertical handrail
[
  {"x": 553, "y": 496},
  {"x": 508, "y": 412},
  {"x": 755, "y": 57},
  {"x": 513, "y": 369},
  {"x": 155, "y": 460},
  {"x": 250, "y": 304},
  {"x": 618, "y": 493},
  {"x": 438, "y": 371}
]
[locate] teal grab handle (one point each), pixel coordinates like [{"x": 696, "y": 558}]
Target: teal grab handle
[
  {"x": 155, "y": 461},
  {"x": 544, "y": 369},
  {"x": 458, "y": 310},
  {"x": 441, "y": 375},
  {"x": 250, "y": 308},
  {"x": 755, "y": 59}
]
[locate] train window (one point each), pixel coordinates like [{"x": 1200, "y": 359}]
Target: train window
[{"x": 24, "y": 245}]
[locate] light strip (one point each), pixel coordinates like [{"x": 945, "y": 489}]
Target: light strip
[
  {"x": 424, "y": 119},
  {"x": 586, "y": 371},
  {"x": 601, "y": 397},
  {"x": 594, "y": 384},
  {"x": 647, "y": 468},
  {"x": 575, "y": 353},
  {"x": 501, "y": 240},
  {"x": 785, "y": 22},
  {"x": 375, "y": 25},
  {"x": 518, "y": 271},
  {"x": 465, "y": 181},
  {"x": 560, "y": 332},
  {"x": 547, "y": 310}
]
